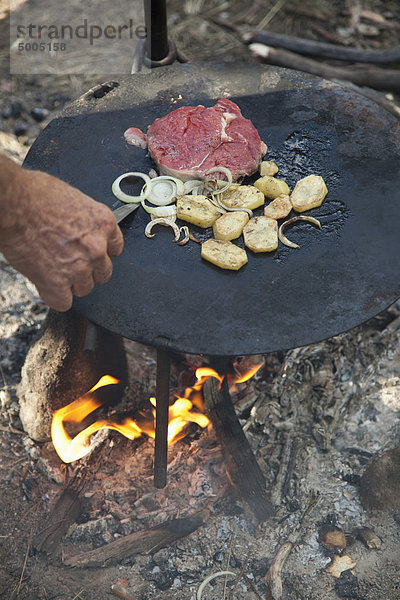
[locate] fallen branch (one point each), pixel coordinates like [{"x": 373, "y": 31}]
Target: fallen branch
[
  {"x": 323, "y": 49},
  {"x": 140, "y": 542},
  {"x": 241, "y": 466},
  {"x": 380, "y": 79}
]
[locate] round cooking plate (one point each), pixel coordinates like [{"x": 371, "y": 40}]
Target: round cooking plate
[{"x": 166, "y": 295}]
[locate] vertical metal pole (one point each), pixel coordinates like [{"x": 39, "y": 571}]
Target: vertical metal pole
[
  {"x": 155, "y": 14},
  {"x": 162, "y": 409}
]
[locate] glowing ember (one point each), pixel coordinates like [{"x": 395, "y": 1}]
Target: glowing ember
[{"x": 183, "y": 411}]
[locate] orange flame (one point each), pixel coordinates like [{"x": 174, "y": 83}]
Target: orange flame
[
  {"x": 181, "y": 412},
  {"x": 70, "y": 449}
]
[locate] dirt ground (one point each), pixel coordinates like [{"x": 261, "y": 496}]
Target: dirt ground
[{"x": 331, "y": 406}]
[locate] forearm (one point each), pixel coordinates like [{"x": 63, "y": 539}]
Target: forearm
[{"x": 12, "y": 180}]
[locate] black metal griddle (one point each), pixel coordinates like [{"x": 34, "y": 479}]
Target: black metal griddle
[{"x": 166, "y": 295}]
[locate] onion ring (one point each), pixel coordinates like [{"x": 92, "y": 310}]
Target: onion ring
[
  {"x": 225, "y": 187},
  {"x": 210, "y": 578},
  {"x": 185, "y": 231},
  {"x": 162, "y": 221},
  {"x": 169, "y": 188},
  {"x": 118, "y": 193},
  {"x": 281, "y": 229},
  {"x": 160, "y": 211}
]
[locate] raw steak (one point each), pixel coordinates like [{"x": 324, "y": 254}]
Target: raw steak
[{"x": 192, "y": 139}]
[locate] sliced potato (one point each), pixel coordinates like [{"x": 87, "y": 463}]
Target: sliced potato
[
  {"x": 224, "y": 254},
  {"x": 197, "y": 210},
  {"x": 272, "y": 187},
  {"x": 242, "y": 196},
  {"x": 308, "y": 193},
  {"x": 261, "y": 234},
  {"x": 268, "y": 167},
  {"x": 278, "y": 208},
  {"x": 230, "y": 225}
]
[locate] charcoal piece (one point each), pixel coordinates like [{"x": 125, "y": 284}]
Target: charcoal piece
[
  {"x": 57, "y": 371},
  {"x": 13, "y": 110},
  {"x": 347, "y": 586},
  {"x": 39, "y": 113},
  {"x": 20, "y": 128}
]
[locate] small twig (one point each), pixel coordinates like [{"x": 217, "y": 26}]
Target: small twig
[
  {"x": 15, "y": 462},
  {"x": 276, "y": 492},
  {"x": 238, "y": 578},
  {"x": 11, "y": 429},
  {"x": 274, "y": 574},
  {"x": 3, "y": 376},
  {"x": 271, "y": 13},
  {"x": 330, "y": 37},
  {"x": 227, "y": 564},
  {"x": 25, "y": 561},
  {"x": 78, "y": 595}
]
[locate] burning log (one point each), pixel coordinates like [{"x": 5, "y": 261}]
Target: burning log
[
  {"x": 140, "y": 542},
  {"x": 241, "y": 465}
]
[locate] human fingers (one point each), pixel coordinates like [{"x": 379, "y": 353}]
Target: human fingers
[
  {"x": 57, "y": 298},
  {"x": 115, "y": 243},
  {"x": 102, "y": 270},
  {"x": 82, "y": 284}
]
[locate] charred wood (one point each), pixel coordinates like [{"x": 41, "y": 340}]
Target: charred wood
[
  {"x": 64, "y": 514},
  {"x": 140, "y": 542},
  {"x": 377, "y": 78},
  {"x": 323, "y": 49},
  {"x": 241, "y": 466},
  {"x": 68, "y": 506}
]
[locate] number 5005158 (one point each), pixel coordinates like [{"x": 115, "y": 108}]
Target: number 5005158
[{"x": 41, "y": 46}]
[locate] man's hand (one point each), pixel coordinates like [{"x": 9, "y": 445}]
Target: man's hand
[{"x": 58, "y": 237}]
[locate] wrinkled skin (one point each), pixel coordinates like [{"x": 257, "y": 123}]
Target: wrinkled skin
[{"x": 55, "y": 235}]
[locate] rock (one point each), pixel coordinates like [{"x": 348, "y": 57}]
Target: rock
[
  {"x": 39, "y": 114},
  {"x": 20, "y": 128},
  {"x": 380, "y": 484},
  {"x": 57, "y": 370},
  {"x": 13, "y": 110}
]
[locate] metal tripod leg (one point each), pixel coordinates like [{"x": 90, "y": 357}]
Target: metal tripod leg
[{"x": 162, "y": 406}]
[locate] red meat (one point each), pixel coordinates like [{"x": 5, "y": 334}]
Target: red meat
[{"x": 189, "y": 141}]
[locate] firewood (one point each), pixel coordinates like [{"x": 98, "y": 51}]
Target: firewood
[
  {"x": 140, "y": 542},
  {"x": 375, "y": 77},
  {"x": 242, "y": 469},
  {"x": 68, "y": 506},
  {"x": 64, "y": 514},
  {"x": 323, "y": 49}
]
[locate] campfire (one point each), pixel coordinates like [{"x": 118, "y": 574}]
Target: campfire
[{"x": 184, "y": 410}]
